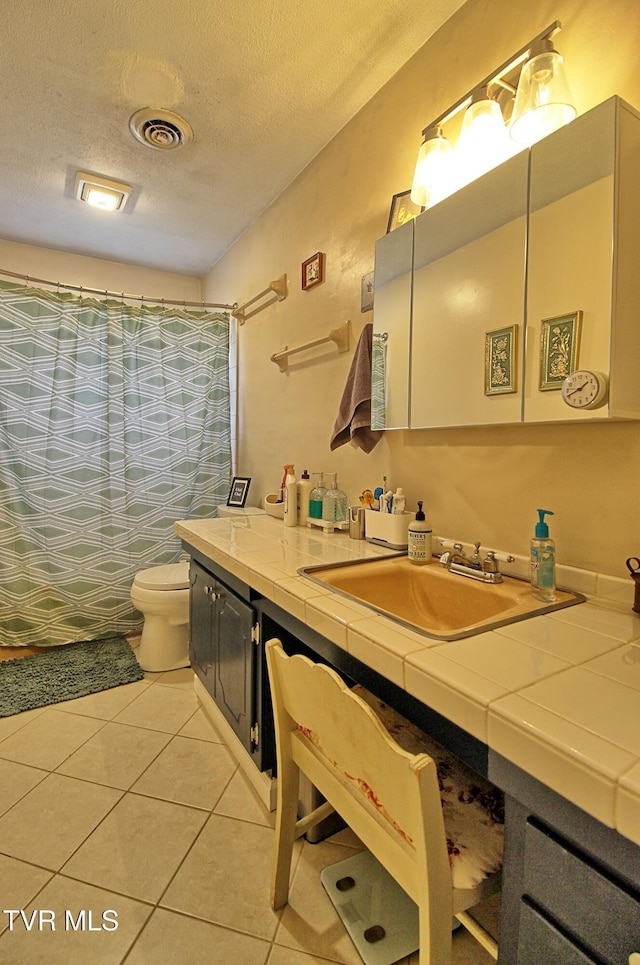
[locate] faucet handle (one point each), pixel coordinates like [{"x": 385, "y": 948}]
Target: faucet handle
[{"x": 490, "y": 563}]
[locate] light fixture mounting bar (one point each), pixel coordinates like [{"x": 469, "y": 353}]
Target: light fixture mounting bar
[{"x": 494, "y": 77}]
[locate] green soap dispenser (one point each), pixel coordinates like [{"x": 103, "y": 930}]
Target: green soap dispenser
[{"x": 543, "y": 561}]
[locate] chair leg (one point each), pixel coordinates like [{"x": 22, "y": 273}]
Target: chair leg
[
  {"x": 435, "y": 936},
  {"x": 286, "y": 817}
]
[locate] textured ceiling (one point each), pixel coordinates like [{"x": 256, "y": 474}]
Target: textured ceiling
[{"x": 263, "y": 83}]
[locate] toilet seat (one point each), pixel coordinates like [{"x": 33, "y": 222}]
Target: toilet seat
[{"x": 170, "y": 576}]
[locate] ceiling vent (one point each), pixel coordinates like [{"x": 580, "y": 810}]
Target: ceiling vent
[{"x": 160, "y": 129}]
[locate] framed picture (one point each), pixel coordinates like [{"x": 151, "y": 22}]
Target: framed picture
[
  {"x": 402, "y": 209},
  {"x": 501, "y": 361},
  {"x": 559, "y": 346},
  {"x": 238, "y": 491},
  {"x": 366, "y": 292},
  {"x": 313, "y": 271}
]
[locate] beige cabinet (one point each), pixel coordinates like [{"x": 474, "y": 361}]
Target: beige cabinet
[
  {"x": 545, "y": 248},
  {"x": 582, "y": 264},
  {"x": 468, "y": 281}
]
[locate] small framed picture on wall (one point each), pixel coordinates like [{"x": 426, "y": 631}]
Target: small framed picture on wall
[{"x": 313, "y": 271}]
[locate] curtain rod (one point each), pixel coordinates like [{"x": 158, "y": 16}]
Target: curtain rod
[{"x": 120, "y": 295}]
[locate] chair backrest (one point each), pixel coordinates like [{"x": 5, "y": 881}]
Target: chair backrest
[{"x": 389, "y": 797}]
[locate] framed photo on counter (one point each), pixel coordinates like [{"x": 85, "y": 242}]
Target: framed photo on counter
[{"x": 238, "y": 491}]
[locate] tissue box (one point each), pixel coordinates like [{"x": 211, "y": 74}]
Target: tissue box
[{"x": 388, "y": 529}]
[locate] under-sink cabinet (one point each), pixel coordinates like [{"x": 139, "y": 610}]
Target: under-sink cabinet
[
  {"x": 571, "y": 886},
  {"x": 227, "y": 655}
]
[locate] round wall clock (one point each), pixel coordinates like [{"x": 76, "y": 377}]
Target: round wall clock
[{"x": 584, "y": 389}]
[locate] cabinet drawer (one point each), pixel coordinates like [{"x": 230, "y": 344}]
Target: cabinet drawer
[
  {"x": 602, "y": 915},
  {"x": 540, "y": 941}
]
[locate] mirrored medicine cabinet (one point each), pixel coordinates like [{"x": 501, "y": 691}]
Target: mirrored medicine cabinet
[{"x": 490, "y": 298}]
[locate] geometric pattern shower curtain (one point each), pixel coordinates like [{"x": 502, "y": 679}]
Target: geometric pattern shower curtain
[{"x": 114, "y": 423}]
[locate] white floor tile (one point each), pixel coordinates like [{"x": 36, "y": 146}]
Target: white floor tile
[
  {"x": 225, "y": 878},
  {"x": 116, "y": 756},
  {"x": 106, "y": 703},
  {"x": 169, "y": 937},
  {"x": 16, "y": 780},
  {"x": 20, "y": 883},
  {"x": 138, "y": 847},
  {"x": 47, "y": 740},
  {"x": 53, "y": 819},
  {"x": 188, "y": 771},
  {"x": 65, "y": 900},
  {"x": 160, "y": 708}
]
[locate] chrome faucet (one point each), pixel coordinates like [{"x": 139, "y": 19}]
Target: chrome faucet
[{"x": 486, "y": 570}]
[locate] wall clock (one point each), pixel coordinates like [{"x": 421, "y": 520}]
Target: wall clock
[{"x": 584, "y": 389}]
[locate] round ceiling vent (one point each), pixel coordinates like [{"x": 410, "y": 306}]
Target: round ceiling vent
[{"x": 160, "y": 129}]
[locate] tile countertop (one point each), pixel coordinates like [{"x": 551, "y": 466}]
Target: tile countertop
[{"x": 558, "y": 695}]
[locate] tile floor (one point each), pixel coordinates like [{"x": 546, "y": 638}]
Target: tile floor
[{"x": 128, "y": 834}]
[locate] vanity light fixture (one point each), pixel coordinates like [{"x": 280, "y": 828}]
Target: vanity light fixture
[
  {"x": 544, "y": 105},
  {"x": 101, "y": 192},
  {"x": 543, "y": 101},
  {"x": 431, "y": 181},
  {"x": 483, "y": 142}
]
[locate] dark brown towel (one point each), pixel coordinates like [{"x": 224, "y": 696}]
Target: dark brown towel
[{"x": 353, "y": 423}]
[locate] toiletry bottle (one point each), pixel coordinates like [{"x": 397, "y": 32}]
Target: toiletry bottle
[
  {"x": 419, "y": 539},
  {"x": 399, "y": 501},
  {"x": 291, "y": 498},
  {"x": 334, "y": 503},
  {"x": 316, "y": 496},
  {"x": 304, "y": 489},
  {"x": 543, "y": 561}
]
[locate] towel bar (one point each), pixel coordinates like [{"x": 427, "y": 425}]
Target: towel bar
[
  {"x": 278, "y": 287},
  {"x": 338, "y": 335}
]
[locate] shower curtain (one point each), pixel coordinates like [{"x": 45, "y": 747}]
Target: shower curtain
[{"x": 114, "y": 423}]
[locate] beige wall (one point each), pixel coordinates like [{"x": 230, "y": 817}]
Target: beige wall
[
  {"x": 477, "y": 483},
  {"x": 69, "y": 269}
]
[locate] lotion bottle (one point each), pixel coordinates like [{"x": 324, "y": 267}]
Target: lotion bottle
[
  {"x": 543, "y": 561},
  {"x": 304, "y": 490},
  {"x": 290, "y": 498},
  {"x": 419, "y": 539}
]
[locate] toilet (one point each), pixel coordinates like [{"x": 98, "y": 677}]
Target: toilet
[{"x": 161, "y": 594}]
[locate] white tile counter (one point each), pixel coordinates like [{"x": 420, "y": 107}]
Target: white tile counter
[{"x": 558, "y": 695}]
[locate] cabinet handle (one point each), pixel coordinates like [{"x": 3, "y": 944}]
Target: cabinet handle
[{"x": 210, "y": 592}]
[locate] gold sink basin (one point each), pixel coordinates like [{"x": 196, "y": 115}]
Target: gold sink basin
[{"x": 433, "y": 601}]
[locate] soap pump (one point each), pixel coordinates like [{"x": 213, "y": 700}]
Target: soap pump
[
  {"x": 419, "y": 548},
  {"x": 543, "y": 561}
]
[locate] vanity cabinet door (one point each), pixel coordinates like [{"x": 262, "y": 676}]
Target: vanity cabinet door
[
  {"x": 234, "y": 661},
  {"x": 584, "y": 235},
  {"x": 201, "y": 646},
  {"x": 222, "y": 651},
  {"x": 468, "y": 281},
  {"x": 392, "y": 329}
]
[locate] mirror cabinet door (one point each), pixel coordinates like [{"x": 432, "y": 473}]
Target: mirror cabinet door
[
  {"x": 467, "y": 337},
  {"x": 584, "y": 236},
  {"x": 392, "y": 329},
  {"x": 569, "y": 270}
]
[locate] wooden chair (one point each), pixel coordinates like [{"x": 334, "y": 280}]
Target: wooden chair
[{"x": 389, "y": 797}]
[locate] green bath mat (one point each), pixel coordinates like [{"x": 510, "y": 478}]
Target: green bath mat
[{"x": 64, "y": 673}]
